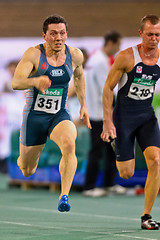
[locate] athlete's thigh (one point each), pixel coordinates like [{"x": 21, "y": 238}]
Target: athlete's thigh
[
  {"x": 63, "y": 130},
  {"x": 124, "y": 142},
  {"x": 34, "y": 128},
  {"x": 149, "y": 134},
  {"x": 29, "y": 155},
  {"x": 125, "y": 130}
]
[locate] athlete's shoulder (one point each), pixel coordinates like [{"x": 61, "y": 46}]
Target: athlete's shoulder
[
  {"x": 126, "y": 54},
  {"x": 32, "y": 53},
  {"x": 125, "y": 59},
  {"x": 77, "y": 55}
]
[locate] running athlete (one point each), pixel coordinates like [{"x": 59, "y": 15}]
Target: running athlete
[
  {"x": 137, "y": 70},
  {"x": 45, "y": 70}
]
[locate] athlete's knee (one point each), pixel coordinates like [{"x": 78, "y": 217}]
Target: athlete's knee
[
  {"x": 68, "y": 145},
  {"x": 154, "y": 163},
  {"x": 28, "y": 172},
  {"x": 126, "y": 173},
  {"x": 25, "y": 172}
]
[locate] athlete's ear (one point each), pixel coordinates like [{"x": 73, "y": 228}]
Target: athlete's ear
[
  {"x": 44, "y": 35},
  {"x": 140, "y": 32}
]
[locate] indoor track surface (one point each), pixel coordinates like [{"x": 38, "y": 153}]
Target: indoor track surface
[{"x": 33, "y": 215}]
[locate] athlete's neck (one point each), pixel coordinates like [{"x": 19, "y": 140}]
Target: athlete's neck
[
  {"x": 55, "y": 58},
  {"x": 55, "y": 53},
  {"x": 149, "y": 52}
]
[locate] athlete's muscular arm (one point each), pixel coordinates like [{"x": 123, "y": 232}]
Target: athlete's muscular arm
[
  {"x": 122, "y": 64},
  {"x": 25, "y": 68},
  {"x": 79, "y": 83}
]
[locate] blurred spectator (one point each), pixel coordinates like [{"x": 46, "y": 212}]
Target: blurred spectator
[
  {"x": 98, "y": 67},
  {"x": 11, "y": 103},
  {"x": 73, "y": 103},
  {"x": 6, "y": 77}
]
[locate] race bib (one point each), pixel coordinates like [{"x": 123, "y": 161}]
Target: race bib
[
  {"x": 50, "y": 102},
  {"x": 141, "y": 89}
]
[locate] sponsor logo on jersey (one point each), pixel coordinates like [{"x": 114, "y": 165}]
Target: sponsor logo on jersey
[
  {"x": 43, "y": 66},
  {"x": 144, "y": 81},
  {"x": 139, "y": 69},
  {"x": 57, "y": 73},
  {"x": 56, "y": 92},
  {"x": 53, "y": 92},
  {"x": 145, "y": 76}
]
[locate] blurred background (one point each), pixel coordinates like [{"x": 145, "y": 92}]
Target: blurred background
[{"x": 88, "y": 20}]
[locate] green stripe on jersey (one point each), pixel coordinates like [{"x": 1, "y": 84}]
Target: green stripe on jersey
[
  {"x": 144, "y": 82},
  {"x": 53, "y": 92}
]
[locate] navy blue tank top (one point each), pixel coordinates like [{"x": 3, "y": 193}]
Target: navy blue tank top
[
  {"x": 55, "y": 97},
  {"x": 136, "y": 87}
]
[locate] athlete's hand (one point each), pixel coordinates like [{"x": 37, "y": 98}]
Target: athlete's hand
[
  {"x": 109, "y": 131},
  {"x": 42, "y": 83},
  {"x": 85, "y": 117}
]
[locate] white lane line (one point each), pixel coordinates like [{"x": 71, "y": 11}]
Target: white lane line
[
  {"x": 70, "y": 213},
  {"x": 134, "y": 237},
  {"x": 77, "y": 230},
  {"x": 30, "y": 225}
]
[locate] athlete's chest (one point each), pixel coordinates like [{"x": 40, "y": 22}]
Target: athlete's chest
[
  {"x": 56, "y": 61},
  {"x": 51, "y": 101},
  {"x": 142, "y": 81},
  {"x": 59, "y": 75},
  {"x": 59, "y": 71},
  {"x": 146, "y": 73}
]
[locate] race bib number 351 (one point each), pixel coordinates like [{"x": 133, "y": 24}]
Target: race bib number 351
[{"x": 50, "y": 102}]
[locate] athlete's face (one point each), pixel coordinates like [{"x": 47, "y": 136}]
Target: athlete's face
[
  {"x": 150, "y": 35},
  {"x": 56, "y": 36}
]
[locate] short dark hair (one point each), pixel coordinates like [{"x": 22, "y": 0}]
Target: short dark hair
[
  {"x": 54, "y": 19},
  {"x": 153, "y": 19},
  {"x": 113, "y": 36}
]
